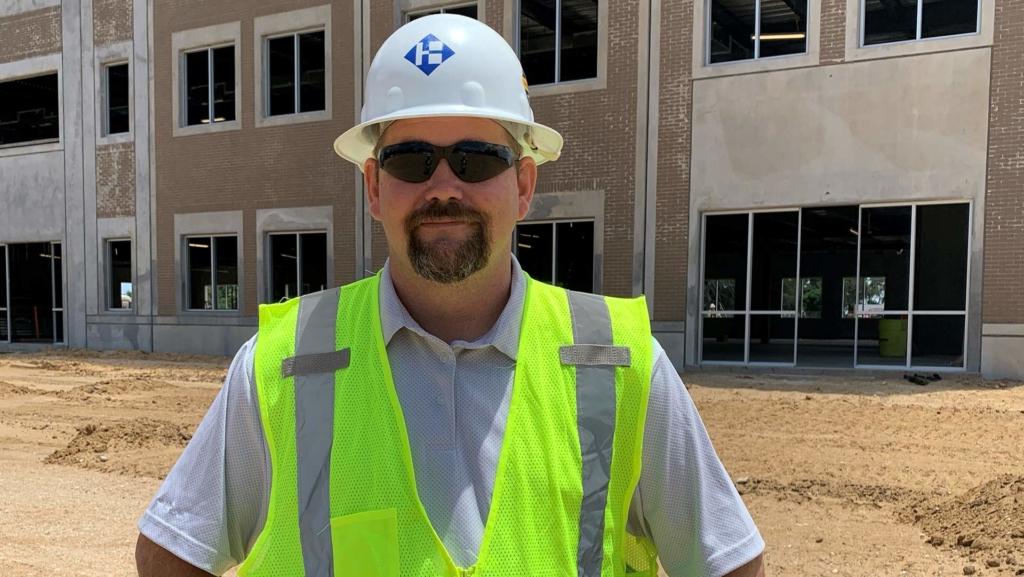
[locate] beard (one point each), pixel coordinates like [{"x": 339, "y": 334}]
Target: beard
[{"x": 447, "y": 260}]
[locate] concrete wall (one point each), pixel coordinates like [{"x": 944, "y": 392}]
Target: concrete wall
[
  {"x": 893, "y": 130},
  {"x": 32, "y": 197}
]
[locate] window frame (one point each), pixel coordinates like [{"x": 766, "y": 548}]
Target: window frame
[
  {"x": 279, "y": 25},
  {"x": 297, "y": 60},
  {"x": 213, "y": 274},
  {"x": 441, "y": 9},
  {"x": 5, "y": 305},
  {"x": 856, "y": 51},
  {"x": 269, "y": 268},
  {"x": 599, "y": 82},
  {"x": 105, "y": 98},
  {"x": 42, "y": 144},
  {"x": 757, "y": 37},
  {"x": 911, "y": 312},
  {"x": 554, "y": 222},
  {"x": 862, "y": 27},
  {"x": 195, "y": 40},
  {"x": 109, "y": 270}
]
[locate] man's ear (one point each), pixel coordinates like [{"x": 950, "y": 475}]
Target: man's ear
[
  {"x": 371, "y": 178},
  {"x": 526, "y": 178}
]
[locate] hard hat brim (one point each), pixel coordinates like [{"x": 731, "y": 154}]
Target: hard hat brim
[{"x": 357, "y": 143}]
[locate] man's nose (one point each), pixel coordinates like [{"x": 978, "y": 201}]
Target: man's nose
[{"x": 443, "y": 184}]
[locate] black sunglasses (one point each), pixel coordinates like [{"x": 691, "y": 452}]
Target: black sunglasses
[{"x": 470, "y": 160}]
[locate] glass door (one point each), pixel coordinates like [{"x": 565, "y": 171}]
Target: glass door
[{"x": 5, "y": 317}]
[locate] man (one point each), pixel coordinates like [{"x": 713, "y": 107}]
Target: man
[{"x": 450, "y": 416}]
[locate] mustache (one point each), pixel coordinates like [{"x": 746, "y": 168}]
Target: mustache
[{"x": 451, "y": 210}]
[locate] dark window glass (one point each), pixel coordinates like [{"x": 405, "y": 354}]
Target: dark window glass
[
  {"x": 311, "y": 71},
  {"x": 783, "y": 27},
  {"x": 771, "y": 338},
  {"x": 578, "y": 40},
  {"x": 197, "y": 88},
  {"x": 120, "y": 287},
  {"x": 884, "y": 261},
  {"x": 940, "y": 267},
  {"x": 30, "y": 109},
  {"x": 3, "y": 293},
  {"x": 732, "y": 30},
  {"x": 284, "y": 267},
  {"x": 889, "y": 21},
  {"x": 828, "y": 256},
  {"x": 58, "y": 326},
  {"x": 537, "y": 40},
  {"x": 224, "y": 83},
  {"x": 938, "y": 341},
  {"x": 725, "y": 262},
  {"x": 469, "y": 11},
  {"x": 117, "y": 99},
  {"x": 774, "y": 260},
  {"x": 33, "y": 290},
  {"x": 313, "y": 261},
  {"x": 723, "y": 337},
  {"x": 226, "y": 260},
  {"x": 58, "y": 276},
  {"x": 200, "y": 264},
  {"x": 948, "y": 17},
  {"x": 281, "y": 64},
  {"x": 574, "y": 263},
  {"x": 535, "y": 248}
]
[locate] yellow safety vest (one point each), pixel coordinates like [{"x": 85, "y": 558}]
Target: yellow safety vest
[{"x": 343, "y": 496}]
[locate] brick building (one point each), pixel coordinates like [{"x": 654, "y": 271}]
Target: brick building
[{"x": 818, "y": 183}]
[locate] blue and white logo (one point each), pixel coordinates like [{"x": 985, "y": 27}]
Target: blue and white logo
[{"x": 429, "y": 53}]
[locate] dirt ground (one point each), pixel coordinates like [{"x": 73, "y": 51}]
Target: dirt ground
[{"x": 853, "y": 475}]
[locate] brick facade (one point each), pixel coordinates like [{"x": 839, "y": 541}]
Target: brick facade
[
  {"x": 111, "y": 21},
  {"x": 832, "y": 32},
  {"x": 1003, "y": 299},
  {"x": 30, "y": 34},
  {"x": 115, "y": 180},
  {"x": 250, "y": 168},
  {"x": 673, "y": 163}
]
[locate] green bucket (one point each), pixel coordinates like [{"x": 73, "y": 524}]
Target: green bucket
[{"x": 892, "y": 337}]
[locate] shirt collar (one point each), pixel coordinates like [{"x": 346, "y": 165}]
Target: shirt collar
[{"x": 504, "y": 335}]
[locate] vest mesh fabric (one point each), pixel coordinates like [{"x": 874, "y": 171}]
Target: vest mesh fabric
[
  {"x": 277, "y": 550},
  {"x": 533, "y": 525}
]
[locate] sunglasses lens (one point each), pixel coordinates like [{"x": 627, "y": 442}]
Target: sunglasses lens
[
  {"x": 410, "y": 166},
  {"x": 478, "y": 161}
]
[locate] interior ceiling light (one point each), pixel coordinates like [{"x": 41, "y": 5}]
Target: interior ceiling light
[{"x": 782, "y": 36}]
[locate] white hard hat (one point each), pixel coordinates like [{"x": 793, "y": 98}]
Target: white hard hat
[{"x": 447, "y": 65}]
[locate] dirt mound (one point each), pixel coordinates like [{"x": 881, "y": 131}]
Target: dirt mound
[
  {"x": 11, "y": 390},
  {"x": 986, "y": 521},
  {"x": 123, "y": 447},
  {"x": 803, "y": 490},
  {"x": 60, "y": 365},
  {"x": 112, "y": 387}
]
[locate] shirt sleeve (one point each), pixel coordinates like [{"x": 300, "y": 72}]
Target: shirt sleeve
[
  {"x": 212, "y": 504},
  {"x": 685, "y": 501}
]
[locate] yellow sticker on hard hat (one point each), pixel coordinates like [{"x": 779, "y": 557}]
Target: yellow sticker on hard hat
[{"x": 526, "y": 85}]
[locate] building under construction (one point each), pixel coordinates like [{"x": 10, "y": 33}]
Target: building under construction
[{"x": 792, "y": 183}]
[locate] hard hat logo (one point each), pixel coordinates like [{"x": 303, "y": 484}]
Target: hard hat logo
[{"x": 428, "y": 54}]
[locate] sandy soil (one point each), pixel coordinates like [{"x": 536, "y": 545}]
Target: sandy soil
[{"x": 854, "y": 475}]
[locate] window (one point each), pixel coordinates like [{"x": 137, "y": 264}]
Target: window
[
  {"x": 837, "y": 286},
  {"x": 116, "y": 96},
  {"x": 298, "y": 264},
  {"x": 469, "y": 10},
  {"x": 119, "y": 275},
  {"x": 888, "y": 21},
  {"x": 295, "y": 73},
  {"x": 4, "y": 320},
  {"x": 212, "y": 272},
  {"x": 209, "y": 85},
  {"x": 30, "y": 110},
  {"x": 560, "y": 253},
  {"x": 558, "y": 40},
  {"x": 719, "y": 295},
  {"x": 57, "y": 275},
  {"x": 748, "y": 29}
]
